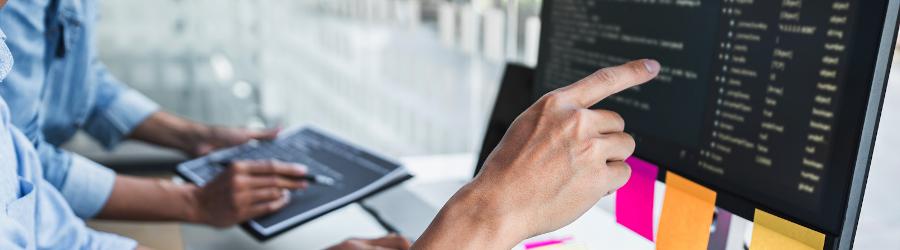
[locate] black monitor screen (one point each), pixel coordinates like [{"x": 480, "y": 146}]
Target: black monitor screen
[
  {"x": 513, "y": 98},
  {"x": 758, "y": 100}
]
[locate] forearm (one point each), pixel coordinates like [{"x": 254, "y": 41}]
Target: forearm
[
  {"x": 469, "y": 222},
  {"x": 168, "y": 130},
  {"x": 136, "y": 198}
]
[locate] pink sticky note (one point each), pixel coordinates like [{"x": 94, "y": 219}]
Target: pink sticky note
[{"x": 634, "y": 201}]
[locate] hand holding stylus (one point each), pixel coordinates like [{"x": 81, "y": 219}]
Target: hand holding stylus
[{"x": 246, "y": 190}]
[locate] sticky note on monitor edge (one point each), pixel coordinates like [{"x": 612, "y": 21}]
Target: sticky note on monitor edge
[
  {"x": 773, "y": 232},
  {"x": 634, "y": 201},
  {"x": 687, "y": 215}
]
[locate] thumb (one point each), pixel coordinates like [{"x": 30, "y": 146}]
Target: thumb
[{"x": 203, "y": 149}]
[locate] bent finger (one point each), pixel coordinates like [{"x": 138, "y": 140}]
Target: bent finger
[
  {"x": 265, "y": 208},
  {"x": 602, "y": 121},
  {"x": 274, "y": 181},
  {"x": 616, "y": 174},
  {"x": 270, "y": 167},
  {"x": 264, "y": 195},
  {"x": 614, "y": 146}
]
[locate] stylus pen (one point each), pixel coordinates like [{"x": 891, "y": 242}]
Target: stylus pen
[{"x": 311, "y": 178}]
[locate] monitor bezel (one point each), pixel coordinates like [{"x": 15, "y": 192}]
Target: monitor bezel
[{"x": 871, "y": 121}]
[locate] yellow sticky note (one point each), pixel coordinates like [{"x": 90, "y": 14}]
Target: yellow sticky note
[
  {"x": 772, "y": 232},
  {"x": 686, "y": 216}
]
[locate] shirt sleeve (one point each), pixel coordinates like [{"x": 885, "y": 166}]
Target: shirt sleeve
[
  {"x": 12, "y": 234},
  {"x": 55, "y": 226},
  {"x": 97, "y": 240},
  {"x": 118, "y": 110},
  {"x": 58, "y": 228},
  {"x": 86, "y": 185}
]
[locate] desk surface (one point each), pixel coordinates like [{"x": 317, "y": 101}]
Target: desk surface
[{"x": 593, "y": 229}]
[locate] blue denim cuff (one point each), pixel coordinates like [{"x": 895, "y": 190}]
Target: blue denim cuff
[
  {"x": 120, "y": 117},
  {"x": 102, "y": 240},
  {"x": 88, "y": 186}
]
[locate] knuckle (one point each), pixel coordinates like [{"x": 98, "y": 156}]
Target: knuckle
[
  {"x": 581, "y": 119},
  {"x": 552, "y": 99},
  {"x": 263, "y": 168},
  {"x": 238, "y": 181},
  {"x": 582, "y": 115},
  {"x": 614, "y": 118},
  {"x": 272, "y": 181},
  {"x": 237, "y": 167},
  {"x": 617, "y": 118},
  {"x": 638, "y": 69},
  {"x": 630, "y": 144},
  {"x": 626, "y": 170},
  {"x": 605, "y": 76},
  {"x": 600, "y": 144}
]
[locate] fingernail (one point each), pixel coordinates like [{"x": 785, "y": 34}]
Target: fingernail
[
  {"x": 651, "y": 65},
  {"x": 300, "y": 167}
]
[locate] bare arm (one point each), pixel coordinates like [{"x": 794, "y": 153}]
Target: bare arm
[
  {"x": 555, "y": 162},
  {"x": 168, "y": 130},
  {"x": 135, "y": 198},
  {"x": 245, "y": 190}
]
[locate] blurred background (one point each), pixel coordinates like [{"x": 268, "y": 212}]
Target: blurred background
[
  {"x": 405, "y": 77},
  {"x": 410, "y": 77}
]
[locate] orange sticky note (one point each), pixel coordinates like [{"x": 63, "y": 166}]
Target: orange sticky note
[
  {"x": 687, "y": 215},
  {"x": 772, "y": 232}
]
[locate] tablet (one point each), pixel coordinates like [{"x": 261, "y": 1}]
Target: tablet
[{"x": 358, "y": 173}]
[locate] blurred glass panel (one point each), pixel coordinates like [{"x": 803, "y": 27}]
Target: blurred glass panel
[{"x": 384, "y": 73}]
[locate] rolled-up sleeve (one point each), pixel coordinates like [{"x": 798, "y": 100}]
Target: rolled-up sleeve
[
  {"x": 86, "y": 185},
  {"x": 118, "y": 110}
]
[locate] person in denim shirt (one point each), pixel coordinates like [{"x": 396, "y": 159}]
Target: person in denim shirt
[
  {"x": 33, "y": 214},
  {"x": 58, "y": 86}
]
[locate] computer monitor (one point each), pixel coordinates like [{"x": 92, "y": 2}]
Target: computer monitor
[
  {"x": 772, "y": 104},
  {"x": 513, "y": 98}
]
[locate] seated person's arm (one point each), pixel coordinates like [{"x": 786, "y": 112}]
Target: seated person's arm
[
  {"x": 555, "y": 162},
  {"x": 245, "y": 190},
  {"x": 195, "y": 139},
  {"x": 121, "y": 112}
]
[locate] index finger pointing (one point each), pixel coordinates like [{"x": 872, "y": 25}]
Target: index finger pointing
[{"x": 608, "y": 81}]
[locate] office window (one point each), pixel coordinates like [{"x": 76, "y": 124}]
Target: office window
[{"x": 403, "y": 76}]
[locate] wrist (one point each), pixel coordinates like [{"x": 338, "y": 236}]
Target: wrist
[
  {"x": 168, "y": 130},
  {"x": 193, "y": 212},
  {"x": 473, "y": 220},
  {"x": 189, "y": 135}
]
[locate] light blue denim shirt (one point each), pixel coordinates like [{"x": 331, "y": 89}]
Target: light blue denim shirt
[
  {"x": 58, "y": 86},
  {"x": 33, "y": 214}
]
